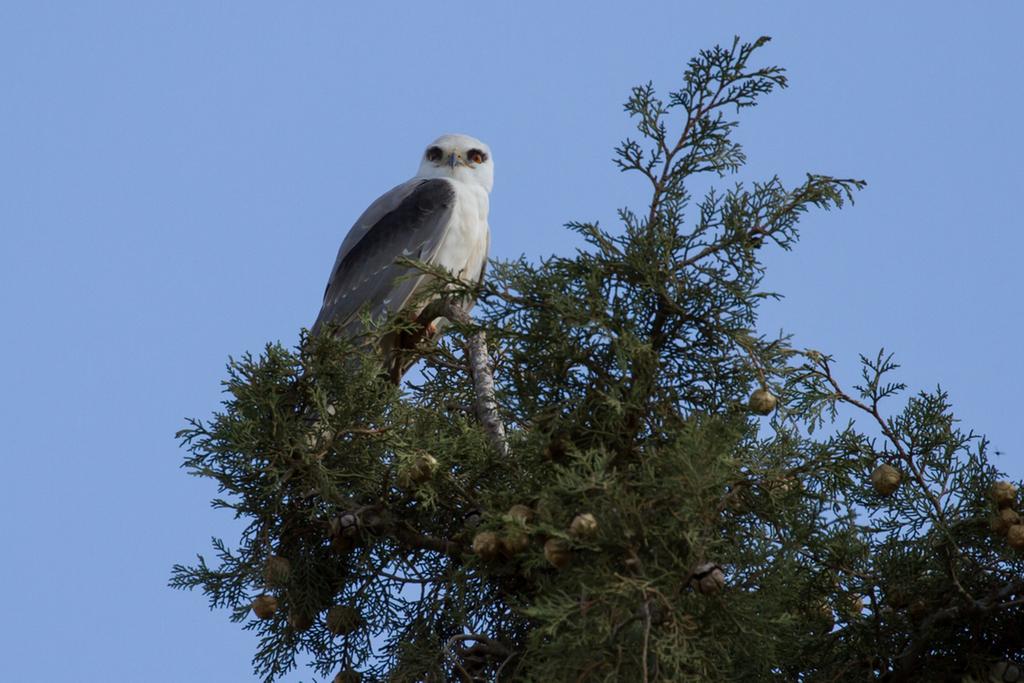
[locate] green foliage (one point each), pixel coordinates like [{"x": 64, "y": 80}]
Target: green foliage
[{"x": 623, "y": 374}]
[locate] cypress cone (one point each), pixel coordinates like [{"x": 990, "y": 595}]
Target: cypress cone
[
  {"x": 557, "y": 553},
  {"x": 264, "y": 606},
  {"x": 583, "y": 525},
  {"x": 521, "y": 514},
  {"x": 1015, "y": 536},
  {"x": 515, "y": 542},
  {"x": 708, "y": 578},
  {"x": 343, "y": 619},
  {"x": 423, "y": 468},
  {"x": 1004, "y": 519},
  {"x": 885, "y": 479},
  {"x": 277, "y": 571},
  {"x": 487, "y": 545},
  {"x": 1003, "y": 493},
  {"x": 300, "y": 621},
  {"x": 762, "y": 402}
]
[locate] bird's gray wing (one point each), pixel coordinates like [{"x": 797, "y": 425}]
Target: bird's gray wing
[{"x": 408, "y": 221}]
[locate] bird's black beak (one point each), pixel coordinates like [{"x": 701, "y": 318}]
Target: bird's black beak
[{"x": 451, "y": 160}]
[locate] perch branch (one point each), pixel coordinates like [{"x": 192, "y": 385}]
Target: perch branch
[{"x": 480, "y": 369}]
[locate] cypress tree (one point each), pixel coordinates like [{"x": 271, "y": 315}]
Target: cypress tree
[{"x": 651, "y": 490}]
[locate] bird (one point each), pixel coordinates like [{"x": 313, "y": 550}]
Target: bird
[{"x": 438, "y": 217}]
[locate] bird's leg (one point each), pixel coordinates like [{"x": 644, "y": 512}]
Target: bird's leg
[
  {"x": 428, "y": 328},
  {"x": 406, "y": 342},
  {"x": 424, "y": 330}
]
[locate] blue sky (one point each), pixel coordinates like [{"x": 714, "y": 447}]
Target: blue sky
[{"x": 175, "y": 179}]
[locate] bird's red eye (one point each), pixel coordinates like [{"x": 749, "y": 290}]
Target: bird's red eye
[
  {"x": 434, "y": 154},
  {"x": 476, "y": 156}
]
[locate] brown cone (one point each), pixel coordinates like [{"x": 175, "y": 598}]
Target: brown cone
[
  {"x": 487, "y": 545},
  {"x": 583, "y": 525},
  {"x": 557, "y": 552},
  {"x": 515, "y": 542},
  {"x": 885, "y": 479},
  {"x": 342, "y": 620},
  {"x": 347, "y": 676},
  {"x": 521, "y": 514},
  {"x": 1015, "y": 536},
  {"x": 300, "y": 621},
  {"x": 277, "y": 571},
  {"x": 264, "y": 606},
  {"x": 707, "y": 578},
  {"x": 1003, "y": 493},
  {"x": 762, "y": 402},
  {"x": 1004, "y": 519}
]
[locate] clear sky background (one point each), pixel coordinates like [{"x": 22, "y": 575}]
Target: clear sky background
[{"x": 176, "y": 177}]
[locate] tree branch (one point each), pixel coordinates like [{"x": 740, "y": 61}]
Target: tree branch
[
  {"x": 480, "y": 368},
  {"x": 905, "y": 668}
]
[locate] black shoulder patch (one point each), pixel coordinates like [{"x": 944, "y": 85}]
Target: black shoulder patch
[
  {"x": 421, "y": 208},
  {"x": 430, "y": 195}
]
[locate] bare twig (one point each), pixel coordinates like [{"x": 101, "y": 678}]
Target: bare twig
[
  {"x": 376, "y": 520},
  {"x": 411, "y": 539},
  {"x": 480, "y": 368},
  {"x": 483, "y": 647},
  {"x": 647, "y": 636}
]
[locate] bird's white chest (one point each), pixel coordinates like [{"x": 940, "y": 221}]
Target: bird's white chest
[{"x": 464, "y": 249}]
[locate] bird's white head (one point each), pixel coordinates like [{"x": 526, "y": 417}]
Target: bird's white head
[{"x": 459, "y": 157}]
